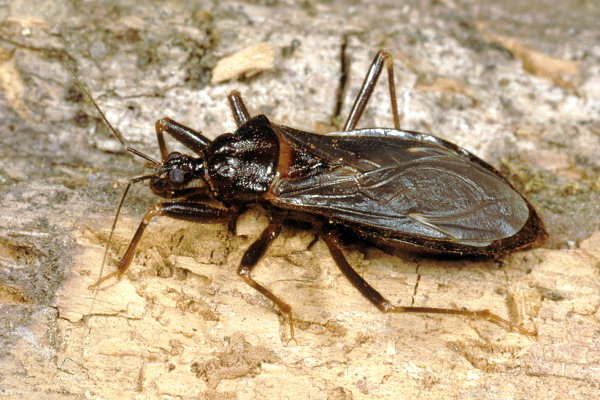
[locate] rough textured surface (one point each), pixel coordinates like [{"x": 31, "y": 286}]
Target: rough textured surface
[{"x": 519, "y": 85}]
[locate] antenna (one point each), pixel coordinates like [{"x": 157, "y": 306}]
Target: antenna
[
  {"x": 113, "y": 130},
  {"x": 112, "y": 230}
]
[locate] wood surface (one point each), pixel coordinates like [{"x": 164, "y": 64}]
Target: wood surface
[{"x": 517, "y": 85}]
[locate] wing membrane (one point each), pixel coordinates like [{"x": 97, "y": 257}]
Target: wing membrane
[{"x": 405, "y": 184}]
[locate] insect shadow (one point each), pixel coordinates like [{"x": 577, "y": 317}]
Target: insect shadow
[{"x": 390, "y": 187}]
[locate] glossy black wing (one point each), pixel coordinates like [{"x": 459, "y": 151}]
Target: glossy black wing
[{"x": 402, "y": 182}]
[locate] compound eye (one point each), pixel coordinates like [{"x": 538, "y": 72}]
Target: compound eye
[{"x": 176, "y": 176}]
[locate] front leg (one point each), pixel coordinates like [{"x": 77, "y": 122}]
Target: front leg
[
  {"x": 185, "y": 210},
  {"x": 187, "y": 136}
]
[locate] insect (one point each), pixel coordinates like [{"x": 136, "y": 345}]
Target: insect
[{"x": 390, "y": 187}]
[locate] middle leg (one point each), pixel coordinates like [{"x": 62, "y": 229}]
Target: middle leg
[
  {"x": 249, "y": 261},
  {"x": 238, "y": 108}
]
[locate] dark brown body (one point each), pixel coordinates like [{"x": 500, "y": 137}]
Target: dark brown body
[
  {"x": 295, "y": 172},
  {"x": 389, "y": 186}
]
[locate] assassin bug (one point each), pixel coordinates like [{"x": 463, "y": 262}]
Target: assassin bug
[{"x": 390, "y": 187}]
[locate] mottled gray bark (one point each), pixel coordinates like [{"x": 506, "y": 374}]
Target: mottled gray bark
[{"x": 518, "y": 85}]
